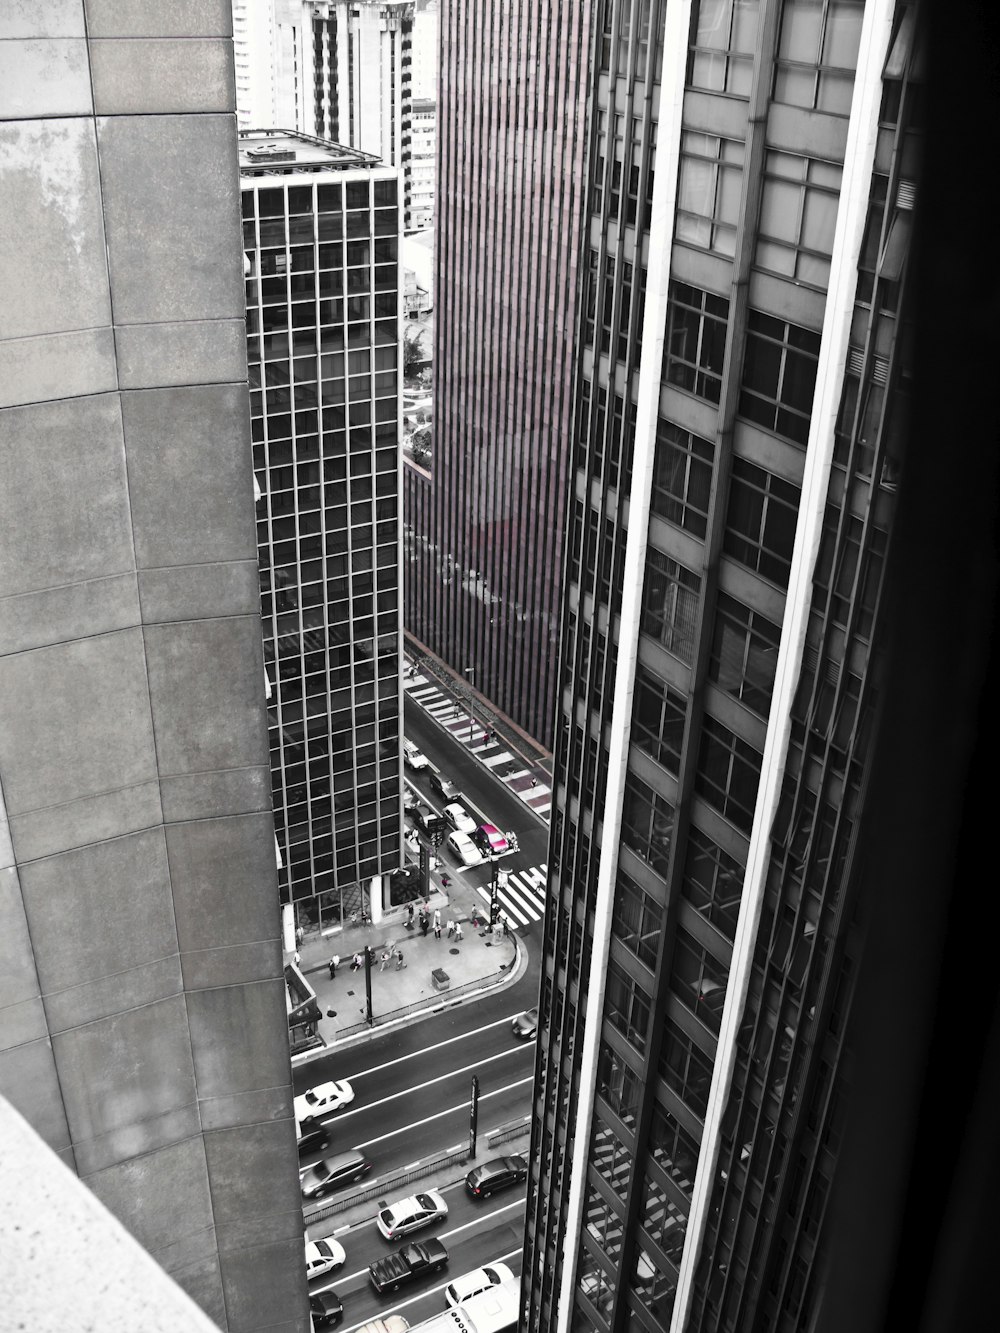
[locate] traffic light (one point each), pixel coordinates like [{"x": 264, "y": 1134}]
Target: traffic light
[{"x": 437, "y": 838}]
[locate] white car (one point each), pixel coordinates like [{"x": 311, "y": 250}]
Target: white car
[
  {"x": 323, "y": 1256},
  {"x": 465, "y": 849},
  {"x": 414, "y": 756},
  {"x": 471, "y": 1284},
  {"x": 407, "y": 1215},
  {"x": 459, "y": 818},
  {"x": 323, "y": 1100}
]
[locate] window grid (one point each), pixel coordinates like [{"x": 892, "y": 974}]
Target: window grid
[
  {"x": 682, "y": 477},
  {"x": 779, "y": 376},
  {"x": 695, "y": 343}
]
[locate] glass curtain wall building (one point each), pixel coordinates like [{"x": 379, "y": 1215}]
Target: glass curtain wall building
[
  {"x": 321, "y": 237},
  {"x": 741, "y": 396},
  {"x": 484, "y": 527}
]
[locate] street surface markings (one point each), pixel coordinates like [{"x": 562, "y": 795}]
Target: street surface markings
[
  {"x": 450, "y": 1110},
  {"x": 528, "y": 902},
  {"x": 341, "y": 1280},
  {"x": 439, "y": 1046},
  {"x": 343, "y": 1116},
  {"x": 492, "y": 760}
]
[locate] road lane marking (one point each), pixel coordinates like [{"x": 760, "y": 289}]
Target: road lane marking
[
  {"x": 461, "y": 1106},
  {"x": 439, "y": 1046}
]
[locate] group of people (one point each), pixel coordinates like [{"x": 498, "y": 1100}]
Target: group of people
[{"x": 425, "y": 921}]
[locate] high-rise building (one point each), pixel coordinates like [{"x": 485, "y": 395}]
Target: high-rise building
[
  {"x": 321, "y": 238},
  {"x": 423, "y": 163},
  {"x": 484, "y": 530},
  {"x": 142, "y": 1006},
  {"x": 742, "y": 385},
  {"x": 254, "y": 54}
]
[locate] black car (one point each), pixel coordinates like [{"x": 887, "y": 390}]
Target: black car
[
  {"x": 445, "y": 788},
  {"x": 426, "y": 820},
  {"x": 312, "y": 1136},
  {"x": 332, "y": 1173},
  {"x": 525, "y": 1025},
  {"x": 408, "y": 1262},
  {"x": 326, "y": 1308},
  {"x": 497, "y": 1174}
]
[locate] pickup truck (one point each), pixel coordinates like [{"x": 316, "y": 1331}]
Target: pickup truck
[{"x": 409, "y": 1262}]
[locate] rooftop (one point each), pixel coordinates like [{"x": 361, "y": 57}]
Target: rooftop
[{"x": 276, "y": 151}]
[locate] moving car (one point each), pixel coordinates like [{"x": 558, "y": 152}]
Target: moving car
[
  {"x": 480, "y": 1279},
  {"x": 413, "y": 756},
  {"x": 323, "y": 1100},
  {"x": 409, "y": 1262},
  {"x": 406, "y": 1215},
  {"x": 464, "y": 848},
  {"x": 326, "y": 1309},
  {"x": 311, "y": 1135},
  {"x": 444, "y": 787},
  {"x": 459, "y": 818},
  {"x": 323, "y": 1256},
  {"x": 525, "y": 1025},
  {"x": 490, "y": 841},
  {"x": 332, "y": 1173},
  {"x": 499, "y": 1173}
]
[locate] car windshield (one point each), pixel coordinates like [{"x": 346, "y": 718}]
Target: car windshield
[{"x": 311, "y": 1098}]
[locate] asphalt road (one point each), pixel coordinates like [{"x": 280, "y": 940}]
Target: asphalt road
[{"x": 412, "y": 1086}]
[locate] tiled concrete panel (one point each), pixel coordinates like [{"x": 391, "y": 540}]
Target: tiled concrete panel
[
  {"x": 211, "y": 862},
  {"x": 24, "y": 1022},
  {"x": 255, "y": 1297},
  {"x": 167, "y": 18},
  {"x": 160, "y": 1197},
  {"x": 55, "y": 18},
  {"x": 110, "y": 814},
  {"x": 60, "y": 365},
  {"x": 196, "y": 592},
  {"x": 247, "y": 1108},
  {"x": 240, "y": 1036},
  {"x": 152, "y": 356},
  {"x": 53, "y": 270},
  {"x": 160, "y": 75},
  {"x": 104, "y": 1090},
  {"x": 172, "y": 438},
  {"x": 18, "y": 978},
  {"x": 239, "y": 1196},
  {"x": 201, "y": 1278},
  {"x": 136, "y": 1137},
  {"x": 28, "y": 1080},
  {"x": 206, "y": 720},
  {"x": 63, "y": 508},
  {"x": 117, "y": 894},
  {"x": 95, "y": 606},
  {"x": 82, "y": 723},
  {"x": 236, "y": 791},
  {"x": 232, "y": 965},
  {"x": 44, "y": 78},
  {"x": 175, "y": 244},
  {"x": 144, "y": 984}
]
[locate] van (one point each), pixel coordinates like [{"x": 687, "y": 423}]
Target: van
[{"x": 393, "y": 1323}]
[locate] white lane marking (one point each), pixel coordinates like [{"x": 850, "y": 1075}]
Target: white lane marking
[
  {"x": 494, "y": 759},
  {"x": 522, "y": 773},
  {"x": 461, "y": 1106},
  {"x": 436, "y": 710},
  {"x": 425, "y": 693},
  {"x": 439, "y": 1046},
  {"x": 429, "y": 1083},
  {"x": 526, "y": 902}
]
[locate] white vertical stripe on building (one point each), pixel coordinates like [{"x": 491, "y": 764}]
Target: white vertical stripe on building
[
  {"x": 668, "y": 138},
  {"x": 859, "y": 159}
]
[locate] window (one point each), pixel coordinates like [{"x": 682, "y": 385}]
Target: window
[
  {"x": 685, "y": 1068},
  {"x": 798, "y": 217},
  {"x": 620, "y": 1087},
  {"x": 670, "y": 604},
  {"x": 695, "y": 345},
  {"x": 638, "y": 919},
  {"x": 760, "y": 523},
  {"x": 626, "y": 1006},
  {"x": 682, "y": 477},
  {"x": 603, "y": 1223},
  {"x": 662, "y": 1221},
  {"x": 713, "y": 882},
  {"x": 818, "y": 54},
  {"x": 708, "y": 191},
  {"x": 744, "y": 654},
  {"x": 658, "y": 718},
  {"x": 728, "y": 773},
  {"x": 609, "y": 1157},
  {"x": 698, "y": 980},
  {"x": 837, "y": 569},
  {"x": 779, "y": 376},
  {"x": 672, "y": 1148},
  {"x": 647, "y": 823},
  {"x": 723, "y": 37}
]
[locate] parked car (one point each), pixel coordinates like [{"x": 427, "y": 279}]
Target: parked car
[
  {"x": 323, "y": 1256},
  {"x": 323, "y": 1100},
  {"x": 333, "y": 1173},
  {"x": 406, "y": 1215},
  {"x": 326, "y": 1308},
  {"x": 311, "y": 1135},
  {"x": 480, "y": 1279},
  {"x": 444, "y": 787},
  {"x": 408, "y": 1263},
  {"x": 459, "y": 818},
  {"x": 464, "y": 848},
  {"x": 525, "y": 1025},
  {"x": 427, "y": 820},
  {"x": 499, "y": 1173},
  {"x": 413, "y": 756},
  {"x": 490, "y": 841}
]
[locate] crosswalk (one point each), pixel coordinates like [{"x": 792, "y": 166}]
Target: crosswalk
[{"x": 523, "y": 896}]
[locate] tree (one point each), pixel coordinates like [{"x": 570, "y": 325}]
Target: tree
[{"x": 412, "y": 358}]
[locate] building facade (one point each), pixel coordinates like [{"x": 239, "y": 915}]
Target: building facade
[
  {"x": 484, "y": 533},
  {"x": 321, "y": 238},
  {"x": 142, "y": 1008},
  {"x": 742, "y": 387},
  {"x": 423, "y": 163},
  {"x": 253, "y": 53}
]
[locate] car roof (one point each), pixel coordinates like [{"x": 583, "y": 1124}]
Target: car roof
[{"x": 459, "y": 837}]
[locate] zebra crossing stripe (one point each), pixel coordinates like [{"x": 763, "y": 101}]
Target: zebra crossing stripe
[
  {"x": 492, "y": 760},
  {"x": 525, "y": 901},
  {"x": 436, "y": 710},
  {"x": 484, "y": 893},
  {"x": 425, "y": 692}
]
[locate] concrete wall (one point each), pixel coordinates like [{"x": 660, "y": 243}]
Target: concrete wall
[{"x": 142, "y": 1021}]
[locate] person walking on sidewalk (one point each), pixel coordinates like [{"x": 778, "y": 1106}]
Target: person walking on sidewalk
[
  {"x": 356, "y": 962},
  {"x": 399, "y": 959},
  {"x": 437, "y": 930},
  {"x": 425, "y": 921},
  {"x": 409, "y": 916},
  {"x": 332, "y": 965},
  {"x": 451, "y": 927},
  {"x": 437, "y": 920},
  {"x": 458, "y": 931},
  {"x": 384, "y": 961},
  {"x": 506, "y": 927}
]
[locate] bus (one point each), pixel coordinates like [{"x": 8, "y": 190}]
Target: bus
[{"x": 492, "y": 1311}]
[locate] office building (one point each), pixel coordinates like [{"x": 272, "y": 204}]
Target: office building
[
  {"x": 142, "y": 1014},
  {"x": 321, "y": 239},
  {"x": 484, "y": 532},
  {"x": 423, "y": 163},
  {"x": 741, "y": 407},
  {"x": 254, "y": 57}
]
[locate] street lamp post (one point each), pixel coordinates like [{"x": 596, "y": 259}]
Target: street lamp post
[
  {"x": 471, "y": 671},
  {"x": 498, "y": 881},
  {"x": 369, "y": 1016}
]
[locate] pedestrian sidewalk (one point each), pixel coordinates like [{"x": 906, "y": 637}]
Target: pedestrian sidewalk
[
  {"x": 473, "y": 964},
  {"x": 493, "y": 740}
]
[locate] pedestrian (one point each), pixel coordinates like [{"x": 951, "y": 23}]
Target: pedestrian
[
  {"x": 399, "y": 959},
  {"x": 409, "y": 916},
  {"x": 451, "y": 927},
  {"x": 333, "y": 965},
  {"x": 356, "y": 962},
  {"x": 296, "y": 958},
  {"x": 354, "y": 918},
  {"x": 437, "y": 930},
  {"x": 534, "y": 782},
  {"x": 503, "y": 922},
  {"x": 437, "y": 919},
  {"x": 458, "y": 931},
  {"x": 425, "y": 921},
  {"x": 384, "y": 961},
  {"x": 300, "y": 934},
  {"x": 445, "y": 881}
]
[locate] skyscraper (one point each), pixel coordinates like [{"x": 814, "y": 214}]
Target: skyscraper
[
  {"x": 142, "y": 1011},
  {"x": 321, "y": 237},
  {"x": 742, "y": 389},
  {"x": 484, "y": 530}
]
